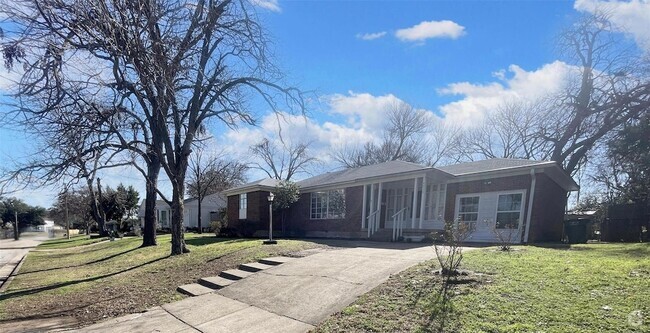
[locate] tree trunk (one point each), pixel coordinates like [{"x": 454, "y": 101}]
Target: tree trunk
[
  {"x": 178, "y": 239},
  {"x": 200, "y": 198},
  {"x": 96, "y": 207},
  {"x": 149, "y": 232}
]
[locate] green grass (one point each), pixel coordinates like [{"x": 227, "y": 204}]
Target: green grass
[
  {"x": 582, "y": 288},
  {"x": 74, "y": 241},
  {"x": 110, "y": 279}
]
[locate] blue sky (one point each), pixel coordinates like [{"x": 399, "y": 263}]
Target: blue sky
[{"x": 455, "y": 59}]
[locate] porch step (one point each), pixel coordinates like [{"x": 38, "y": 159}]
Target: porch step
[
  {"x": 254, "y": 267},
  {"x": 215, "y": 282},
  {"x": 382, "y": 235},
  {"x": 194, "y": 289},
  {"x": 235, "y": 274},
  {"x": 274, "y": 261}
]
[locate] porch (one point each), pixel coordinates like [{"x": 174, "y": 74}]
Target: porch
[{"x": 414, "y": 204}]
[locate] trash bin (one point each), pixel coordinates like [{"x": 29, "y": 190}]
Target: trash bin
[{"x": 576, "y": 230}]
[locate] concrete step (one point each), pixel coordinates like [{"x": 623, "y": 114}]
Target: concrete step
[
  {"x": 235, "y": 274},
  {"x": 274, "y": 261},
  {"x": 215, "y": 282},
  {"x": 254, "y": 267},
  {"x": 194, "y": 289}
]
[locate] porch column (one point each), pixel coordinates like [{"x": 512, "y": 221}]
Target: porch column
[
  {"x": 379, "y": 206},
  {"x": 424, "y": 199},
  {"x": 415, "y": 202},
  {"x": 363, "y": 212}
]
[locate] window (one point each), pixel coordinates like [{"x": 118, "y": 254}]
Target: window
[
  {"x": 468, "y": 209},
  {"x": 243, "y": 205},
  {"x": 328, "y": 204},
  {"x": 162, "y": 217},
  {"x": 395, "y": 200},
  {"x": 509, "y": 211},
  {"x": 435, "y": 205}
]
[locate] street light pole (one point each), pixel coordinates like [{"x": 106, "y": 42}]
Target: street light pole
[{"x": 270, "y": 240}]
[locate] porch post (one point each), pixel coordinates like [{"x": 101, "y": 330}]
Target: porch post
[
  {"x": 363, "y": 212},
  {"x": 415, "y": 202},
  {"x": 424, "y": 199},
  {"x": 379, "y": 206}
]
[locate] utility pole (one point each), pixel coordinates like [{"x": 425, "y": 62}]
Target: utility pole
[{"x": 16, "y": 225}]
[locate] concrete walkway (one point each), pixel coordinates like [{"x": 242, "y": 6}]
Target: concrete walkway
[
  {"x": 13, "y": 251},
  {"x": 292, "y": 297}
]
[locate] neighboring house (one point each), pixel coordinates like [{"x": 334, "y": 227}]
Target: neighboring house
[
  {"x": 211, "y": 204},
  {"x": 383, "y": 201}
]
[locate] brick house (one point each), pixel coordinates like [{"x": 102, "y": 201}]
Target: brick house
[{"x": 521, "y": 198}]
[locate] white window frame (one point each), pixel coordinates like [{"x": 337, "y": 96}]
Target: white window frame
[
  {"x": 243, "y": 205},
  {"x": 520, "y": 211},
  {"x": 478, "y": 207},
  {"x": 323, "y": 213}
]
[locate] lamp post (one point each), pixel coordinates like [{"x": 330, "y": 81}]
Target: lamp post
[{"x": 270, "y": 240}]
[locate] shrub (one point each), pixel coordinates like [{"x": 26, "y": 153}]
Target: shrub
[{"x": 215, "y": 226}]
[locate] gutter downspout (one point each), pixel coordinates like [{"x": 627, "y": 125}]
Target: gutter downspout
[{"x": 530, "y": 204}]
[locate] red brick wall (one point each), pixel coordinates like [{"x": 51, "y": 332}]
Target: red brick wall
[
  {"x": 548, "y": 206},
  {"x": 257, "y": 213},
  {"x": 548, "y": 211},
  {"x": 299, "y": 221}
]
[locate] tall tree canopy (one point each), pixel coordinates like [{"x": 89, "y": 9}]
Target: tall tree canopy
[{"x": 154, "y": 71}]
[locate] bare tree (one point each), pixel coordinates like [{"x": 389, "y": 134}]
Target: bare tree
[
  {"x": 165, "y": 67},
  {"x": 284, "y": 160},
  {"x": 402, "y": 139},
  {"x": 209, "y": 175},
  {"x": 512, "y": 130},
  {"x": 610, "y": 88}
]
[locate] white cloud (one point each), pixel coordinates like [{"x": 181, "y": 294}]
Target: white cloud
[
  {"x": 430, "y": 29},
  {"x": 362, "y": 110},
  {"x": 521, "y": 85},
  {"x": 271, "y": 5},
  {"x": 371, "y": 36},
  {"x": 631, "y": 17},
  {"x": 362, "y": 118}
]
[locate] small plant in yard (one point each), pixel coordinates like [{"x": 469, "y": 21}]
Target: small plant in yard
[
  {"x": 450, "y": 252},
  {"x": 506, "y": 234}
]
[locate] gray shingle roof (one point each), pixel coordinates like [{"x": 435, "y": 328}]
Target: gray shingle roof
[
  {"x": 264, "y": 182},
  {"x": 370, "y": 171},
  {"x": 488, "y": 165}
]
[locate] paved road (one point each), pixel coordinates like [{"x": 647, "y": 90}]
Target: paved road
[{"x": 292, "y": 297}]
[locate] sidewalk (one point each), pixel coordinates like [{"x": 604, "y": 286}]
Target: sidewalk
[
  {"x": 12, "y": 253},
  {"x": 292, "y": 297}
]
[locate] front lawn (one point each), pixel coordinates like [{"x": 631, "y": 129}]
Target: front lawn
[
  {"x": 581, "y": 288},
  {"x": 109, "y": 279}
]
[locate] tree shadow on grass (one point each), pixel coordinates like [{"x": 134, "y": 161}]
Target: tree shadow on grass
[
  {"x": 24, "y": 292},
  {"x": 200, "y": 241},
  {"x": 80, "y": 265}
]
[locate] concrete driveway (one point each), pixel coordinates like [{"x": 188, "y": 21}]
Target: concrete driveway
[{"x": 292, "y": 297}]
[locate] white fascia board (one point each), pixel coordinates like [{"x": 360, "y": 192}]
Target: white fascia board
[{"x": 376, "y": 179}]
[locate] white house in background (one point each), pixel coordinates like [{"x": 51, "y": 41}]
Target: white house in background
[{"x": 211, "y": 204}]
